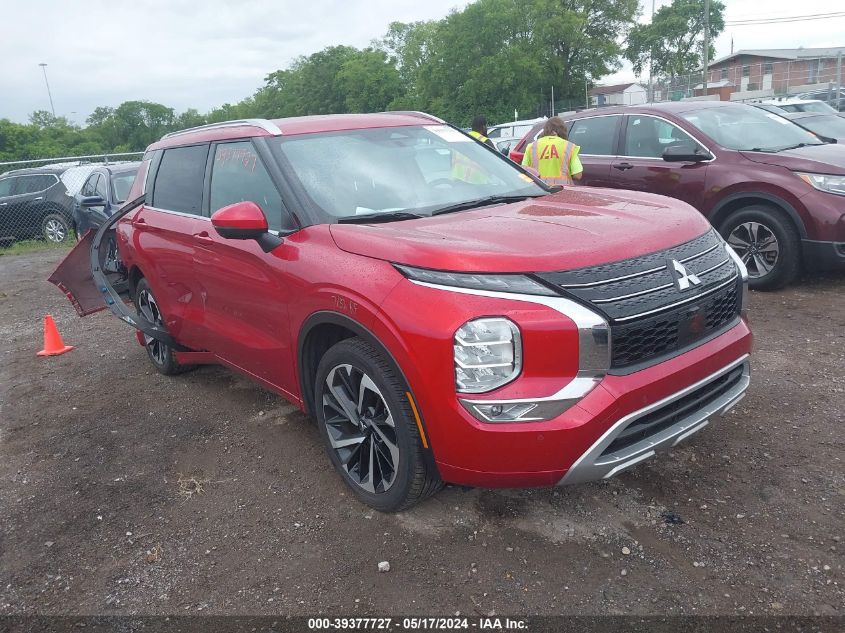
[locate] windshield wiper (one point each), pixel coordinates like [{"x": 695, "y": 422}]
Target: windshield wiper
[
  {"x": 798, "y": 145},
  {"x": 375, "y": 218},
  {"x": 482, "y": 202}
]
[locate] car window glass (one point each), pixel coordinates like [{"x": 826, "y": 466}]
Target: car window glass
[
  {"x": 101, "y": 188},
  {"x": 88, "y": 187},
  {"x": 239, "y": 175},
  {"x": 648, "y": 137},
  {"x": 32, "y": 184},
  {"x": 596, "y": 135},
  {"x": 6, "y": 186},
  {"x": 122, "y": 184},
  {"x": 179, "y": 181}
]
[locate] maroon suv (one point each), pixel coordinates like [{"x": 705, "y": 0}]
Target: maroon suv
[{"x": 772, "y": 189}]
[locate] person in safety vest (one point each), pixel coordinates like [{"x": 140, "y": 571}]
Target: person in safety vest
[
  {"x": 553, "y": 157},
  {"x": 479, "y": 130}
]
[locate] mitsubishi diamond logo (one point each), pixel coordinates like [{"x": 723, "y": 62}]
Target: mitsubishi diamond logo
[{"x": 683, "y": 278}]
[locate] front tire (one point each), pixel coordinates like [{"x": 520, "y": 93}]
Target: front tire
[
  {"x": 767, "y": 242},
  {"x": 160, "y": 354},
  {"x": 55, "y": 228},
  {"x": 369, "y": 430}
]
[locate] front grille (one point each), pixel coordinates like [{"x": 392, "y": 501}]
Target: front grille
[
  {"x": 649, "y": 315},
  {"x": 674, "y": 412}
]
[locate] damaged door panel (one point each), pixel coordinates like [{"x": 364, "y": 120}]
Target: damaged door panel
[{"x": 93, "y": 277}]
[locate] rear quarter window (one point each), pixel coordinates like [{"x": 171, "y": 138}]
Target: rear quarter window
[{"x": 179, "y": 180}]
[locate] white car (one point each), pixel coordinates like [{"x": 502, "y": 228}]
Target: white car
[
  {"x": 794, "y": 104},
  {"x": 514, "y": 129}
]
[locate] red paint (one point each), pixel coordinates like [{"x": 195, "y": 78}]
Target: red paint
[
  {"x": 246, "y": 308},
  {"x": 245, "y": 216}
]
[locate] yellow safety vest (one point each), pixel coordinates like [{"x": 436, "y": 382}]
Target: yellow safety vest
[
  {"x": 479, "y": 136},
  {"x": 550, "y": 156}
]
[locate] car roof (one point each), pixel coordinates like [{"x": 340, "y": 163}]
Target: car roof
[
  {"x": 667, "y": 107},
  {"x": 245, "y": 128},
  {"x": 791, "y": 101},
  {"x": 33, "y": 171},
  {"x": 793, "y": 116}
]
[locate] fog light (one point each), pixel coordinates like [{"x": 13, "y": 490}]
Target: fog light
[
  {"x": 487, "y": 354},
  {"x": 514, "y": 412}
]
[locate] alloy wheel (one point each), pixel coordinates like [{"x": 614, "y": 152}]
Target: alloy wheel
[
  {"x": 149, "y": 310},
  {"x": 55, "y": 231},
  {"x": 757, "y": 246},
  {"x": 361, "y": 429}
]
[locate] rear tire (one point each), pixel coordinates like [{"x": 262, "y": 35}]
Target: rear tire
[
  {"x": 369, "y": 430},
  {"x": 768, "y": 243},
  {"x": 55, "y": 228},
  {"x": 160, "y": 354}
]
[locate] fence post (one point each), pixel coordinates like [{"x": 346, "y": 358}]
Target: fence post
[{"x": 839, "y": 81}]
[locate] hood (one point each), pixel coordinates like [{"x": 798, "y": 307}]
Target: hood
[
  {"x": 569, "y": 229},
  {"x": 823, "y": 159}
]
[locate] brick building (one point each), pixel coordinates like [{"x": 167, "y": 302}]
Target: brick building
[{"x": 777, "y": 70}]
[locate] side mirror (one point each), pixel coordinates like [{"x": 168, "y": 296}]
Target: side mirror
[
  {"x": 92, "y": 201},
  {"x": 245, "y": 221},
  {"x": 685, "y": 154}
]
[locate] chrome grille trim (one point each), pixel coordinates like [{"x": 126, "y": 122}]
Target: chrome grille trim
[{"x": 678, "y": 303}]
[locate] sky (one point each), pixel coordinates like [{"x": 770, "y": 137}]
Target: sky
[{"x": 204, "y": 53}]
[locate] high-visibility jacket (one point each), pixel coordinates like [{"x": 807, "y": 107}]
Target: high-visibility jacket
[
  {"x": 554, "y": 159},
  {"x": 482, "y": 138}
]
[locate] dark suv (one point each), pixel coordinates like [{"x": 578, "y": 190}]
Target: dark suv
[
  {"x": 34, "y": 203},
  {"x": 772, "y": 189},
  {"x": 101, "y": 195}
]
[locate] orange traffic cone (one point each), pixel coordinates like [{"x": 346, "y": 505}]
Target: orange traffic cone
[{"x": 53, "y": 343}]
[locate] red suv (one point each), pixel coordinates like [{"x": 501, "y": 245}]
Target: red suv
[
  {"x": 774, "y": 191},
  {"x": 444, "y": 315}
]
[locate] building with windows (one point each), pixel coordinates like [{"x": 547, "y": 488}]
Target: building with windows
[
  {"x": 779, "y": 70},
  {"x": 619, "y": 94}
]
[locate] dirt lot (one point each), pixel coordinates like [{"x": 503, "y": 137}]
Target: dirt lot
[{"x": 123, "y": 491}]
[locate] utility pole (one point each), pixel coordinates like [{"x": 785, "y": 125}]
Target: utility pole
[
  {"x": 552, "y": 109},
  {"x": 49, "y": 94},
  {"x": 651, "y": 63},
  {"x": 706, "y": 41}
]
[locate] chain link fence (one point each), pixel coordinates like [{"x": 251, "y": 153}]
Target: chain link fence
[{"x": 54, "y": 201}]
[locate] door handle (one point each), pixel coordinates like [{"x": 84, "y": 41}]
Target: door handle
[
  {"x": 203, "y": 238},
  {"x": 623, "y": 166},
  {"x": 3, "y": 204},
  {"x": 39, "y": 198}
]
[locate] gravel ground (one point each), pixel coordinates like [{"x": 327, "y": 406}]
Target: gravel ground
[{"x": 126, "y": 492}]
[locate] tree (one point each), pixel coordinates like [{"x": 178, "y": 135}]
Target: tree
[
  {"x": 369, "y": 81},
  {"x": 673, "y": 40}
]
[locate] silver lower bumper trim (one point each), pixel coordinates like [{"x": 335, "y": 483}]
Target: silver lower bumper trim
[{"x": 595, "y": 463}]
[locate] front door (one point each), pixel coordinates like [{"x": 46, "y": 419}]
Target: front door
[
  {"x": 597, "y": 137},
  {"x": 243, "y": 291},
  {"x": 640, "y": 165}
]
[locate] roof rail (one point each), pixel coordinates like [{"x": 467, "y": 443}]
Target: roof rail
[
  {"x": 418, "y": 113},
  {"x": 264, "y": 124}
]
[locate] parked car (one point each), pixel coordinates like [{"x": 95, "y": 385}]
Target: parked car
[
  {"x": 827, "y": 126},
  {"x": 34, "y": 204},
  {"x": 829, "y": 96},
  {"x": 504, "y": 145},
  {"x": 481, "y": 331},
  {"x": 795, "y": 104},
  {"x": 772, "y": 189},
  {"x": 512, "y": 129},
  {"x": 101, "y": 195}
]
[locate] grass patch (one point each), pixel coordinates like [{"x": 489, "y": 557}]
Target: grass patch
[{"x": 34, "y": 246}]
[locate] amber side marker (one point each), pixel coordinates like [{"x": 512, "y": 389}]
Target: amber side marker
[{"x": 417, "y": 419}]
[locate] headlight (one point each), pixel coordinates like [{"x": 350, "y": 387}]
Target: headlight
[
  {"x": 824, "y": 182},
  {"x": 497, "y": 283},
  {"x": 487, "y": 354}
]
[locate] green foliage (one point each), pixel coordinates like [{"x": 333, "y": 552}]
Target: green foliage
[
  {"x": 491, "y": 58},
  {"x": 674, "y": 37}
]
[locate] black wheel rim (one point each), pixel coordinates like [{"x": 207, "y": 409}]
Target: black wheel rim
[
  {"x": 758, "y": 247},
  {"x": 148, "y": 308},
  {"x": 360, "y": 429}
]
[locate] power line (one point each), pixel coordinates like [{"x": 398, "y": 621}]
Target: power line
[{"x": 785, "y": 20}]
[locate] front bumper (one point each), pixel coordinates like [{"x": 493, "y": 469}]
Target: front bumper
[
  {"x": 819, "y": 255},
  {"x": 572, "y": 448},
  {"x": 660, "y": 426}
]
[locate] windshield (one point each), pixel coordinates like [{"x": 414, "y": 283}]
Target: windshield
[
  {"x": 413, "y": 169},
  {"x": 749, "y": 129},
  {"x": 809, "y": 106},
  {"x": 830, "y": 126},
  {"x": 122, "y": 183}
]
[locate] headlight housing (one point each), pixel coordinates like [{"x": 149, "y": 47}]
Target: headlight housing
[
  {"x": 483, "y": 281},
  {"x": 824, "y": 182},
  {"x": 487, "y": 354}
]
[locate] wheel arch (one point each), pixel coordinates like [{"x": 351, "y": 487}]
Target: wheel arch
[
  {"x": 135, "y": 275},
  {"x": 737, "y": 201}
]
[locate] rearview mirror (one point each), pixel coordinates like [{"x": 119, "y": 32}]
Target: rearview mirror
[
  {"x": 245, "y": 221},
  {"x": 685, "y": 154},
  {"x": 92, "y": 201}
]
